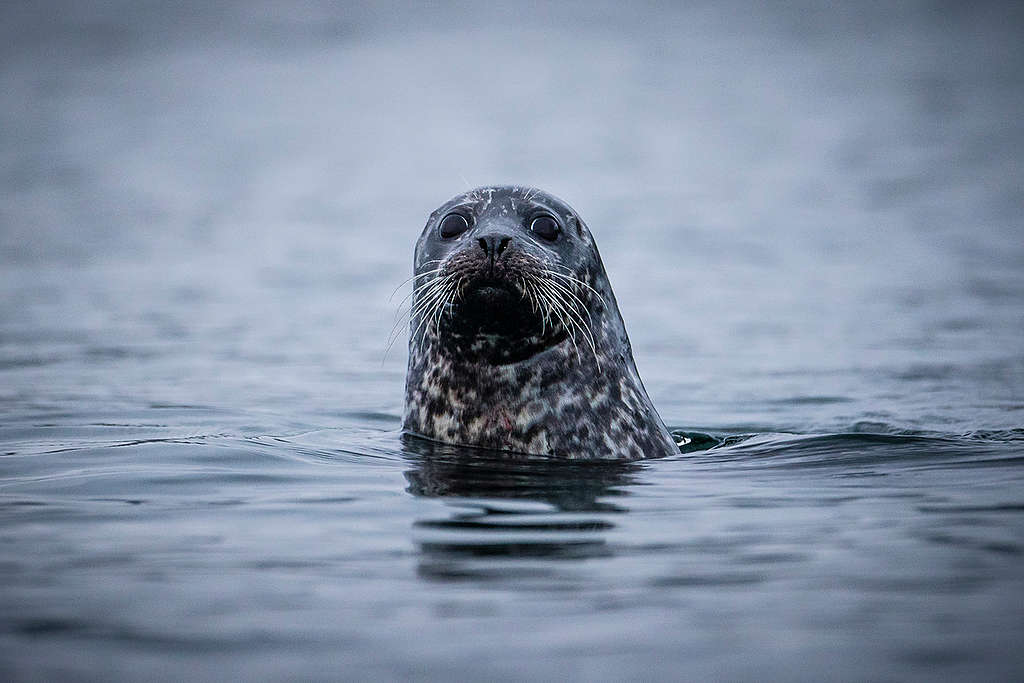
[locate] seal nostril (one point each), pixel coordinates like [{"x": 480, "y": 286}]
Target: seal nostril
[
  {"x": 483, "y": 245},
  {"x": 504, "y": 243}
]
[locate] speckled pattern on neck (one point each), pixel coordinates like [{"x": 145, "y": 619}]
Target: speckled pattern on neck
[{"x": 492, "y": 365}]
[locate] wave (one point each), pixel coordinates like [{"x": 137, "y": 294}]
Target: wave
[{"x": 845, "y": 449}]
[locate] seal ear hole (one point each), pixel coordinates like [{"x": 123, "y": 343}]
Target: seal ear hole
[
  {"x": 452, "y": 225},
  {"x": 579, "y": 225}
]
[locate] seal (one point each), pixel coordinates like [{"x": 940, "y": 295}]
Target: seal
[{"x": 516, "y": 342}]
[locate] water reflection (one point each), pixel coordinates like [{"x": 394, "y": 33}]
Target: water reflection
[{"x": 507, "y": 517}]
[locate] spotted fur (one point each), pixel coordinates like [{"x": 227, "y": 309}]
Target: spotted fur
[{"x": 499, "y": 368}]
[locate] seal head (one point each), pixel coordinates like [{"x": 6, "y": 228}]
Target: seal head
[{"x": 516, "y": 342}]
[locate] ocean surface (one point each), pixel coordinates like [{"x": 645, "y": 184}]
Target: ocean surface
[{"x": 813, "y": 220}]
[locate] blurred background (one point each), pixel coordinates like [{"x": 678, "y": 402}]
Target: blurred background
[
  {"x": 812, "y": 215},
  {"x": 206, "y": 201}
]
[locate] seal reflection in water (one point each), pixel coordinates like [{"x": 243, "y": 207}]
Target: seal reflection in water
[{"x": 516, "y": 341}]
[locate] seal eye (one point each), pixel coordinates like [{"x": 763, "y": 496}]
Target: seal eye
[
  {"x": 546, "y": 227},
  {"x": 453, "y": 224}
]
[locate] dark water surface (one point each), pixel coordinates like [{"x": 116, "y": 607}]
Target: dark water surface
[{"x": 813, "y": 223}]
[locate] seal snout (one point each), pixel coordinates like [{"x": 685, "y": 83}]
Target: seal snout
[
  {"x": 491, "y": 261},
  {"x": 493, "y": 245}
]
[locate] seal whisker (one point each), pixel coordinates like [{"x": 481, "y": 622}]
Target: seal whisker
[
  {"x": 406, "y": 314},
  {"x": 533, "y": 296},
  {"x": 446, "y": 301},
  {"x": 427, "y": 311},
  {"x": 424, "y": 316},
  {"x": 559, "y": 308},
  {"x": 562, "y": 287},
  {"x": 422, "y": 286},
  {"x": 575, "y": 280},
  {"x": 403, "y": 315},
  {"x": 424, "y": 290},
  {"x": 542, "y": 306},
  {"x": 425, "y": 273},
  {"x": 451, "y": 297},
  {"x": 577, "y": 310},
  {"x": 545, "y": 298},
  {"x": 431, "y": 295},
  {"x": 572, "y": 298},
  {"x": 526, "y": 293},
  {"x": 566, "y": 271},
  {"x": 412, "y": 279},
  {"x": 573, "y": 317},
  {"x": 392, "y": 338},
  {"x": 427, "y": 294}
]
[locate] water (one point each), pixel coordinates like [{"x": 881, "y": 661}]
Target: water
[{"x": 812, "y": 221}]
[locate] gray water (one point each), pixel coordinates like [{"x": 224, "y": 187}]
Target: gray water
[{"x": 812, "y": 219}]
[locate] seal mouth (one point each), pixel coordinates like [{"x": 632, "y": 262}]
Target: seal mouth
[
  {"x": 491, "y": 288},
  {"x": 490, "y": 295},
  {"x": 493, "y": 305}
]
